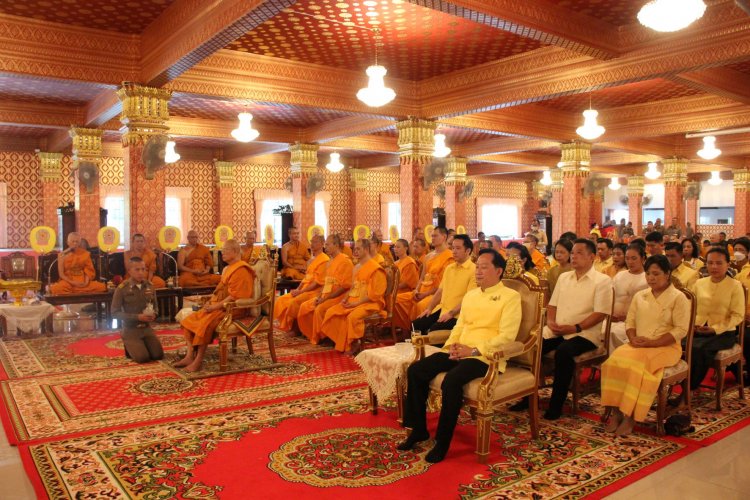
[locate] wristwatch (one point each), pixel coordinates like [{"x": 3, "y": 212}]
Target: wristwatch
[
  {"x": 475, "y": 352},
  {"x": 578, "y": 328}
]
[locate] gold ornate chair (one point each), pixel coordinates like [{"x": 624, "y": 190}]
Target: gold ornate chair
[
  {"x": 375, "y": 323},
  {"x": 728, "y": 357},
  {"x": 484, "y": 395},
  {"x": 247, "y": 317}
]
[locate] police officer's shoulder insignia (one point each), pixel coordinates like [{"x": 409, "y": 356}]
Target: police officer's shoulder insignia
[{"x": 121, "y": 285}]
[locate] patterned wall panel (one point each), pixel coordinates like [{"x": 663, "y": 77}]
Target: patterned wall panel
[
  {"x": 491, "y": 188},
  {"x": 200, "y": 176},
  {"x": 338, "y": 215},
  {"x": 67, "y": 183},
  {"x": 379, "y": 181},
  {"x": 20, "y": 171},
  {"x": 247, "y": 178},
  {"x": 111, "y": 171}
]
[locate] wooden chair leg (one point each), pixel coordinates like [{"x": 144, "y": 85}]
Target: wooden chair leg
[
  {"x": 400, "y": 395},
  {"x": 234, "y": 345},
  {"x": 373, "y": 401},
  {"x": 249, "y": 343},
  {"x": 686, "y": 394},
  {"x": 720, "y": 374},
  {"x": 661, "y": 408},
  {"x": 534, "y": 414},
  {"x": 223, "y": 364},
  {"x": 271, "y": 345},
  {"x": 484, "y": 419},
  {"x": 741, "y": 377}
]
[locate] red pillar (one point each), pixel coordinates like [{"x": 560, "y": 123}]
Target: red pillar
[
  {"x": 455, "y": 182},
  {"x": 741, "y": 202},
  {"x": 357, "y": 200},
  {"x": 691, "y": 205},
  {"x": 675, "y": 180},
  {"x": 556, "y": 205},
  {"x": 635, "y": 202},
  {"x": 416, "y": 144},
  {"x": 531, "y": 205},
  {"x": 225, "y": 175},
  {"x": 87, "y": 154},
  {"x": 50, "y": 164},
  {"x": 576, "y": 158},
  {"x": 304, "y": 164}
]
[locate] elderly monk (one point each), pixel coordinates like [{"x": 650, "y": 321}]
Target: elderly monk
[
  {"x": 237, "y": 282},
  {"x": 287, "y": 306},
  {"x": 138, "y": 249},
  {"x": 384, "y": 248},
  {"x": 250, "y": 252},
  {"x": 409, "y": 276},
  {"x": 418, "y": 251},
  {"x": 376, "y": 255},
  {"x": 76, "y": 270},
  {"x": 338, "y": 280},
  {"x": 432, "y": 273},
  {"x": 344, "y": 322},
  {"x": 294, "y": 256},
  {"x": 194, "y": 262}
]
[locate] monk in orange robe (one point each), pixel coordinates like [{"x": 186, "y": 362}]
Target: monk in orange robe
[
  {"x": 250, "y": 252},
  {"x": 287, "y": 306},
  {"x": 294, "y": 256},
  {"x": 344, "y": 322},
  {"x": 382, "y": 247},
  {"x": 338, "y": 280},
  {"x": 409, "y": 276},
  {"x": 346, "y": 250},
  {"x": 77, "y": 273},
  {"x": 237, "y": 282},
  {"x": 432, "y": 272},
  {"x": 418, "y": 250},
  {"x": 376, "y": 255},
  {"x": 195, "y": 263},
  {"x": 138, "y": 249}
]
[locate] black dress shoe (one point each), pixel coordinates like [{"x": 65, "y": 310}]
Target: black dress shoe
[
  {"x": 436, "y": 454},
  {"x": 552, "y": 414},
  {"x": 412, "y": 441},
  {"x": 520, "y": 405}
]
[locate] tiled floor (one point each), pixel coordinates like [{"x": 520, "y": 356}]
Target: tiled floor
[{"x": 721, "y": 470}]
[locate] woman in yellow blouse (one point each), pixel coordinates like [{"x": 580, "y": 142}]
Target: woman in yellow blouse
[
  {"x": 721, "y": 307},
  {"x": 563, "y": 247},
  {"x": 657, "y": 321},
  {"x": 618, "y": 260},
  {"x": 691, "y": 254},
  {"x": 742, "y": 263}
]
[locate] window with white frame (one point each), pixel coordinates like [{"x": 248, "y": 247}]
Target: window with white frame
[
  {"x": 177, "y": 209},
  {"x": 114, "y": 203},
  {"x": 500, "y": 218},
  {"x": 394, "y": 218},
  {"x": 321, "y": 216},
  {"x": 267, "y": 217}
]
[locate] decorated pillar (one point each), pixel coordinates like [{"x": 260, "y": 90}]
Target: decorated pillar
[
  {"x": 50, "y": 164},
  {"x": 595, "y": 207},
  {"x": 534, "y": 192},
  {"x": 692, "y": 195},
  {"x": 145, "y": 112},
  {"x": 358, "y": 199},
  {"x": 675, "y": 181},
  {"x": 741, "y": 202},
  {"x": 416, "y": 143},
  {"x": 576, "y": 159},
  {"x": 304, "y": 164},
  {"x": 455, "y": 181},
  {"x": 556, "y": 206},
  {"x": 635, "y": 202},
  {"x": 87, "y": 155},
  {"x": 224, "y": 192}
]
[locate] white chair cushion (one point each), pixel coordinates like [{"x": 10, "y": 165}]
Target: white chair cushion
[
  {"x": 726, "y": 353},
  {"x": 680, "y": 367},
  {"x": 511, "y": 382}
]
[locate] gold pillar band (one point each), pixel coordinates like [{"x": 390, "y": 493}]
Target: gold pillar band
[
  {"x": 145, "y": 111},
  {"x": 416, "y": 139},
  {"x": 635, "y": 184},
  {"x": 358, "y": 179},
  {"x": 304, "y": 158},
  {"x": 225, "y": 173},
  {"x": 50, "y": 164},
  {"x": 675, "y": 171}
]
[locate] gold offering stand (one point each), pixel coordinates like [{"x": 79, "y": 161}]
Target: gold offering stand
[{"x": 18, "y": 288}]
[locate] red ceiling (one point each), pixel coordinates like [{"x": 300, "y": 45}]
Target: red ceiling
[
  {"x": 13, "y": 131},
  {"x": 625, "y": 95},
  {"x": 615, "y": 12},
  {"x": 418, "y": 43},
  {"x": 129, "y": 16},
  {"x": 48, "y": 91},
  {"x": 743, "y": 67},
  {"x": 288, "y": 116},
  {"x": 455, "y": 136}
]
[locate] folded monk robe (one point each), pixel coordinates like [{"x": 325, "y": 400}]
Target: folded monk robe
[
  {"x": 434, "y": 267},
  {"x": 297, "y": 254},
  {"x": 199, "y": 258},
  {"x": 409, "y": 276},
  {"x": 286, "y": 307},
  {"x": 77, "y": 267},
  {"x": 344, "y": 324},
  {"x": 149, "y": 258},
  {"x": 237, "y": 280},
  {"x": 310, "y": 316}
]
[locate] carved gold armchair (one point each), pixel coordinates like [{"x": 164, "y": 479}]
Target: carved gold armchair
[
  {"x": 728, "y": 357},
  {"x": 376, "y": 322}
]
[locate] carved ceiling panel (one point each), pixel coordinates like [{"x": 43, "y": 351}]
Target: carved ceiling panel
[
  {"x": 614, "y": 12},
  {"x": 417, "y": 43},
  {"x": 48, "y": 91},
  {"x": 13, "y": 131}
]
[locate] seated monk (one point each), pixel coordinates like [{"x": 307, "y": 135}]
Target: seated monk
[
  {"x": 376, "y": 255},
  {"x": 138, "y": 249},
  {"x": 194, "y": 262},
  {"x": 344, "y": 322},
  {"x": 237, "y": 282},
  {"x": 251, "y": 252},
  {"x": 418, "y": 251},
  {"x": 286, "y": 307},
  {"x": 409, "y": 270},
  {"x": 294, "y": 256},
  {"x": 383, "y": 248},
  {"x": 76, "y": 271},
  {"x": 338, "y": 280}
]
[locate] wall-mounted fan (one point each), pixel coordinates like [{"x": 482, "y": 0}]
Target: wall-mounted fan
[
  {"x": 289, "y": 184},
  {"x": 647, "y": 199},
  {"x": 88, "y": 174},
  {"x": 594, "y": 185},
  {"x": 692, "y": 192},
  {"x": 467, "y": 191},
  {"x": 153, "y": 154},
  {"x": 440, "y": 191},
  {"x": 433, "y": 171},
  {"x": 315, "y": 184},
  {"x": 624, "y": 199},
  {"x": 545, "y": 198}
]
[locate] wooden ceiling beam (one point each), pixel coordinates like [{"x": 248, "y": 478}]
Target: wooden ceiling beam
[
  {"x": 242, "y": 152},
  {"x": 502, "y": 145},
  {"x": 374, "y": 161},
  {"x": 724, "y": 82},
  {"x": 345, "y": 127},
  {"x": 374, "y": 143},
  {"x": 529, "y": 122},
  {"x": 39, "y": 114}
]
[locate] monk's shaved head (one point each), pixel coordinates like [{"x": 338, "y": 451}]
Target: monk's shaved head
[{"x": 232, "y": 245}]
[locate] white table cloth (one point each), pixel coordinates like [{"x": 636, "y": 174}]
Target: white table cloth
[
  {"x": 27, "y": 318},
  {"x": 385, "y": 367}
]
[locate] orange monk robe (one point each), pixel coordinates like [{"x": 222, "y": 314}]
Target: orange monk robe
[
  {"x": 402, "y": 309},
  {"x": 237, "y": 280},
  {"x": 251, "y": 253},
  {"x": 379, "y": 260},
  {"x": 149, "y": 258},
  {"x": 286, "y": 307},
  {"x": 540, "y": 261},
  {"x": 198, "y": 258},
  {"x": 297, "y": 254},
  {"x": 348, "y": 252},
  {"x": 433, "y": 275},
  {"x": 77, "y": 265},
  {"x": 385, "y": 251},
  {"x": 310, "y": 316},
  {"x": 344, "y": 325}
]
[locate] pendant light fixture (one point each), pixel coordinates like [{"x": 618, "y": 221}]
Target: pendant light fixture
[
  {"x": 546, "y": 178},
  {"x": 671, "y": 15},
  {"x": 715, "y": 179},
  {"x": 590, "y": 130},
  {"x": 709, "y": 151},
  {"x": 376, "y": 94},
  {"x": 335, "y": 165},
  {"x": 614, "y": 185},
  {"x": 652, "y": 172},
  {"x": 245, "y": 131},
  {"x": 170, "y": 155},
  {"x": 441, "y": 150}
]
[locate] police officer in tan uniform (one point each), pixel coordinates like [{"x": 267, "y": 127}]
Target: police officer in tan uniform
[{"x": 134, "y": 303}]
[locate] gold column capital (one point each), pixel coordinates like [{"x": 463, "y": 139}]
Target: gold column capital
[
  {"x": 225, "y": 172},
  {"x": 145, "y": 112},
  {"x": 675, "y": 171},
  {"x": 50, "y": 165},
  {"x": 741, "y": 180},
  {"x": 304, "y": 158},
  {"x": 575, "y": 158},
  {"x": 455, "y": 170},
  {"x": 416, "y": 139},
  {"x": 557, "y": 179},
  {"x": 358, "y": 179},
  {"x": 635, "y": 185}
]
